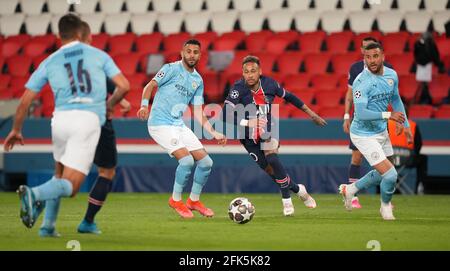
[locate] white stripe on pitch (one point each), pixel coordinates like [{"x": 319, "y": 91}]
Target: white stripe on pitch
[{"x": 230, "y": 149}]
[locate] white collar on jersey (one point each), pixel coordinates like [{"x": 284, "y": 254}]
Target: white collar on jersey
[{"x": 70, "y": 44}]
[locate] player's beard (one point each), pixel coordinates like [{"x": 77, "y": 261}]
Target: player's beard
[
  {"x": 188, "y": 63},
  {"x": 375, "y": 68}
]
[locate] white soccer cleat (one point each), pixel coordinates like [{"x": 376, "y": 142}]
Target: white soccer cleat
[
  {"x": 288, "y": 209},
  {"x": 347, "y": 196},
  {"x": 305, "y": 197},
  {"x": 386, "y": 211}
]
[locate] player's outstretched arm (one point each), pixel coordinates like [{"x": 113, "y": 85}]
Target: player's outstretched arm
[
  {"x": 200, "y": 117},
  {"x": 313, "y": 115},
  {"x": 347, "y": 108},
  {"x": 15, "y": 136},
  {"x": 146, "y": 95}
]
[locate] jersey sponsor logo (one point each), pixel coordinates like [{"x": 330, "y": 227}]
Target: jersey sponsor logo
[
  {"x": 160, "y": 74},
  {"x": 357, "y": 94},
  {"x": 234, "y": 94}
]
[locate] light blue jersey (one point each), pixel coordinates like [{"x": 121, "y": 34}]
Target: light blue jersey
[
  {"x": 371, "y": 95},
  {"x": 77, "y": 75},
  {"x": 177, "y": 88}
]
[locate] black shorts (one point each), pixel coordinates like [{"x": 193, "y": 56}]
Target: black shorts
[
  {"x": 106, "y": 152},
  {"x": 352, "y": 146},
  {"x": 255, "y": 152}
]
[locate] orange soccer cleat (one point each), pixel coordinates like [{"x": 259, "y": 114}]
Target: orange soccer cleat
[
  {"x": 181, "y": 208},
  {"x": 198, "y": 206}
]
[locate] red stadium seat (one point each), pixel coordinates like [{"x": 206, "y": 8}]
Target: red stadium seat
[
  {"x": 10, "y": 48},
  {"x": 172, "y": 57},
  {"x": 100, "y": 40},
  {"x": 325, "y": 81},
  {"x": 17, "y": 85},
  {"x": 331, "y": 112},
  {"x": 121, "y": 44},
  {"x": 19, "y": 65},
  {"x": 149, "y": 43},
  {"x": 48, "y": 39},
  {"x": 341, "y": 63},
  {"x": 2, "y": 63},
  {"x": 311, "y": 42},
  {"x": 276, "y": 45},
  {"x": 439, "y": 88},
  {"x": 213, "y": 93},
  {"x": 402, "y": 63},
  {"x": 421, "y": 111},
  {"x": 408, "y": 87},
  {"x": 267, "y": 61},
  {"x": 294, "y": 82},
  {"x": 48, "y": 102},
  {"x": 206, "y": 39},
  {"x": 395, "y": 43},
  {"x": 443, "y": 112},
  {"x": 38, "y": 59},
  {"x": 299, "y": 114},
  {"x": 316, "y": 63},
  {"x": 339, "y": 42},
  {"x": 289, "y": 62},
  {"x": 411, "y": 40},
  {"x": 35, "y": 48},
  {"x": 307, "y": 95},
  {"x": 137, "y": 81},
  {"x": 236, "y": 64},
  {"x": 4, "y": 81},
  {"x": 22, "y": 39},
  {"x": 173, "y": 42},
  {"x": 127, "y": 63},
  {"x": 291, "y": 35},
  {"x": 443, "y": 46},
  {"x": 202, "y": 66},
  {"x": 327, "y": 97},
  {"x": 256, "y": 41}
]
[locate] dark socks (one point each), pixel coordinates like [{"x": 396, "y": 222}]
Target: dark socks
[
  {"x": 280, "y": 176},
  {"x": 97, "y": 196}
]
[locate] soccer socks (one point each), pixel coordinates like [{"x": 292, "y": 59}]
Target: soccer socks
[
  {"x": 354, "y": 173},
  {"x": 51, "y": 213},
  {"x": 182, "y": 175},
  {"x": 281, "y": 177},
  {"x": 201, "y": 175},
  {"x": 97, "y": 197},
  {"x": 372, "y": 178},
  {"x": 387, "y": 186},
  {"x": 53, "y": 189}
]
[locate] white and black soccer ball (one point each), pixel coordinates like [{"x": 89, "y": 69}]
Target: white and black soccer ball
[{"x": 241, "y": 210}]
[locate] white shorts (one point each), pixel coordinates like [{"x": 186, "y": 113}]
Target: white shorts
[
  {"x": 172, "y": 138},
  {"x": 374, "y": 148},
  {"x": 75, "y": 135}
]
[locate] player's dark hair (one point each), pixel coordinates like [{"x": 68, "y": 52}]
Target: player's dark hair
[
  {"x": 193, "y": 42},
  {"x": 374, "y": 45},
  {"x": 69, "y": 26},
  {"x": 85, "y": 30},
  {"x": 371, "y": 39},
  {"x": 250, "y": 59}
]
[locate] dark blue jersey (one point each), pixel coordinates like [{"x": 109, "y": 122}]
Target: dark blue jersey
[{"x": 357, "y": 68}]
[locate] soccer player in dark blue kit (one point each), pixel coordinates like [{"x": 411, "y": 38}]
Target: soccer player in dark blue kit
[
  {"x": 354, "y": 171},
  {"x": 258, "y": 92}
]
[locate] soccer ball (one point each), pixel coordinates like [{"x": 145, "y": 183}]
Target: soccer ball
[{"x": 241, "y": 210}]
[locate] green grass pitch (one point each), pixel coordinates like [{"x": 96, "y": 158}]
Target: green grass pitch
[{"x": 142, "y": 221}]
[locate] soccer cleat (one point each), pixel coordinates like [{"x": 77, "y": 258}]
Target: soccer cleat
[
  {"x": 38, "y": 207},
  {"x": 26, "y": 206},
  {"x": 386, "y": 211},
  {"x": 288, "y": 209},
  {"x": 347, "y": 196},
  {"x": 355, "y": 203},
  {"x": 198, "y": 206},
  {"x": 48, "y": 232},
  {"x": 87, "y": 227},
  {"x": 180, "y": 208},
  {"x": 305, "y": 197}
]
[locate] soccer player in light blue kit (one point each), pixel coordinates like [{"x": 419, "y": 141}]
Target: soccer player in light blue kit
[
  {"x": 373, "y": 90},
  {"x": 179, "y": 85},
  {"x": 77, "y": 75}
]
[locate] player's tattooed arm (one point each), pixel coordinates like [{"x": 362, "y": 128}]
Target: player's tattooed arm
[{"x": 313, "y": 115}]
